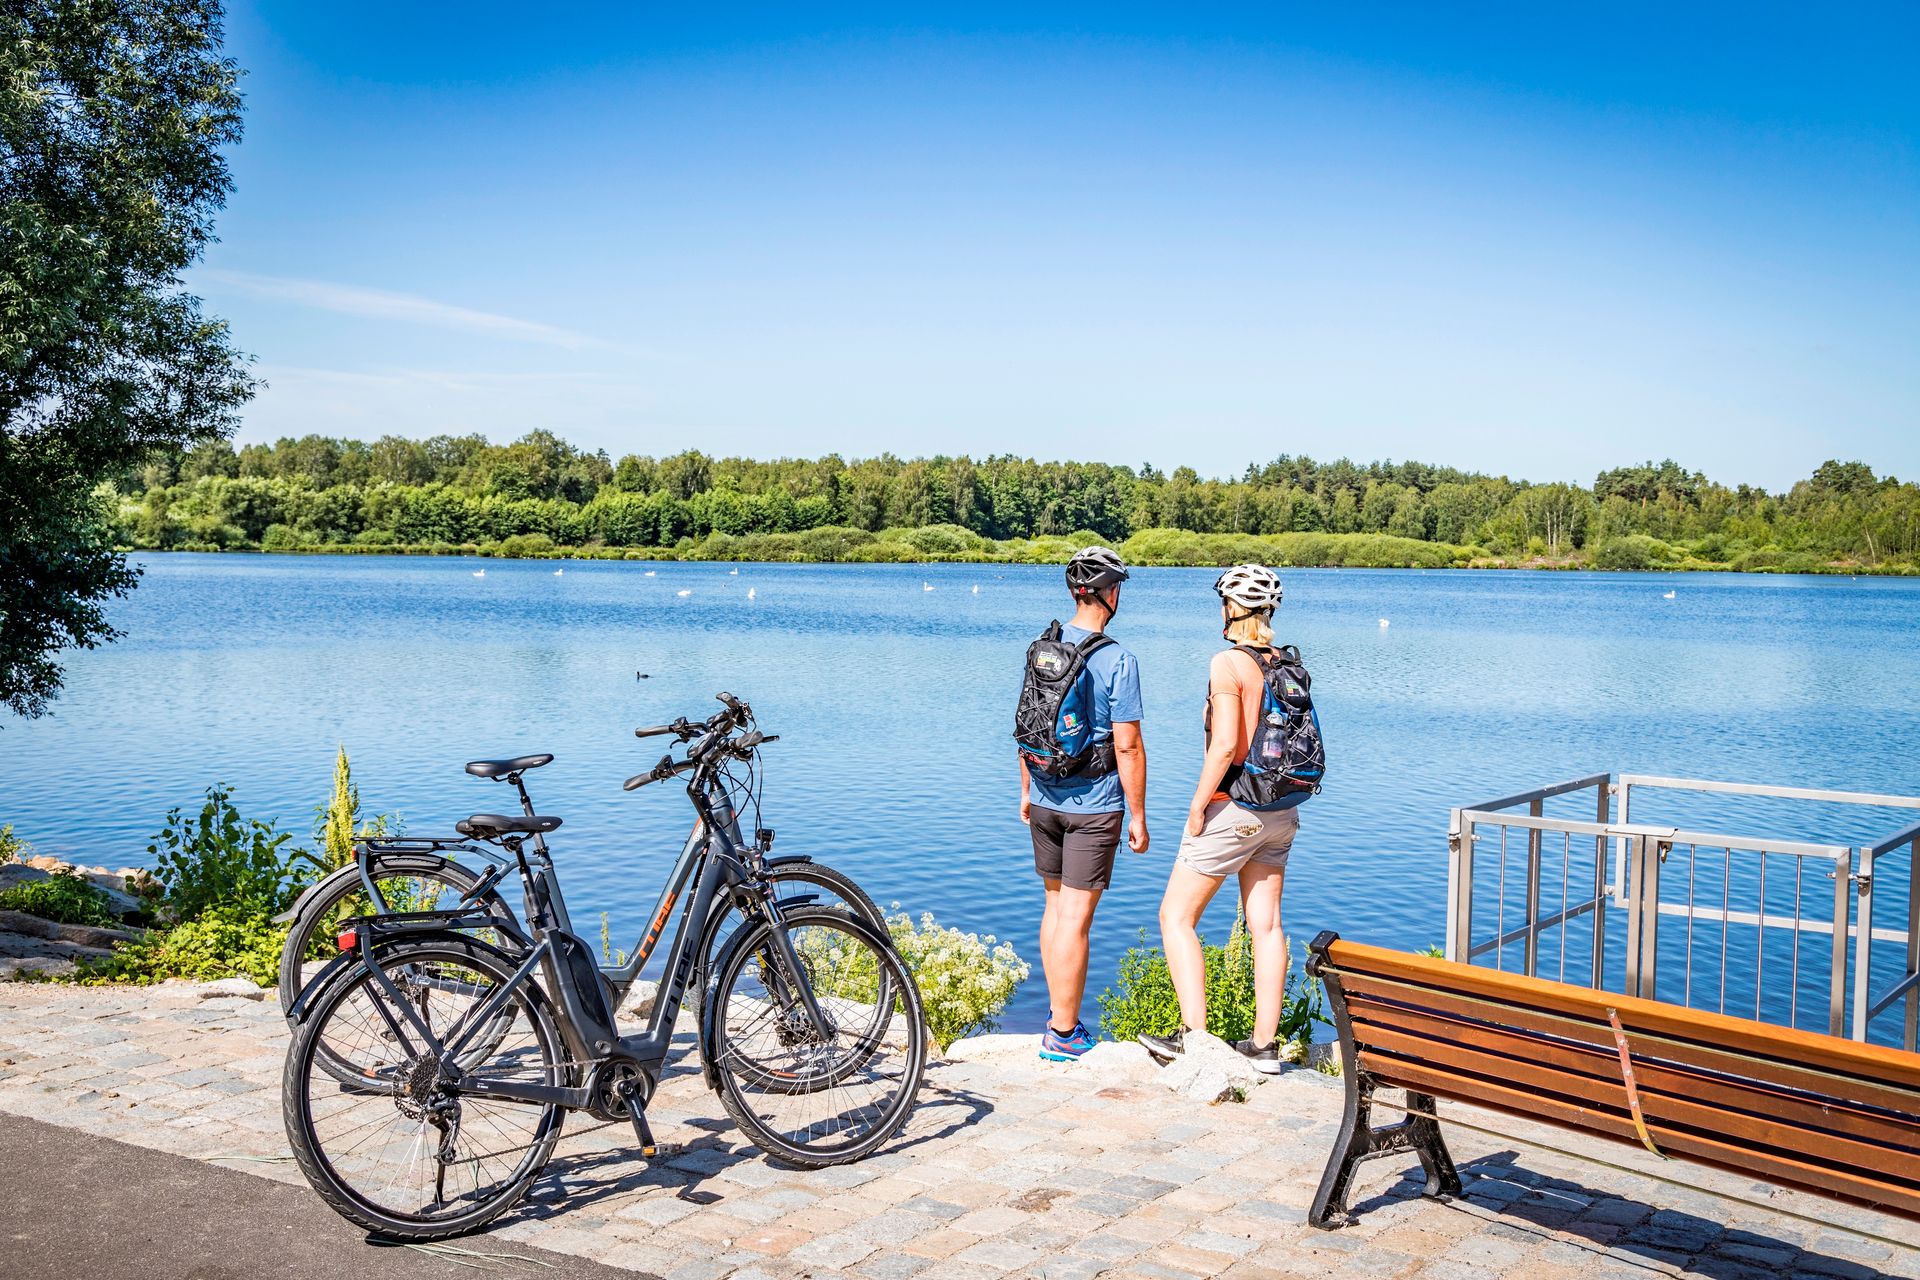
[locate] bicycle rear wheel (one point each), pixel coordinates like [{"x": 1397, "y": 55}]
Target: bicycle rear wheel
[
  {"x": 413, "y": 1151},
  {"x": 806, "y": 1097}
]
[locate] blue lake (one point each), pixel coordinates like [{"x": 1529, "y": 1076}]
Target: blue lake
[{"x": 894, "y": 704}]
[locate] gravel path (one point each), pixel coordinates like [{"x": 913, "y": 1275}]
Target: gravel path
[{"x": 1010, "y": 1167}]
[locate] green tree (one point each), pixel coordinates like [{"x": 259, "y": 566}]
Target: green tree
[{"x": 113, "y": 114}]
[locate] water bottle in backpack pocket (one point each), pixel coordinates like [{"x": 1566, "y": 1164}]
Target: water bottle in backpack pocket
[
  {"x": 1053, "y": 725},
  {"x": 1286, "y": 758}
]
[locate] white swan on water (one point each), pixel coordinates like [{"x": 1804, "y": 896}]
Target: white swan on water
[
  {"x": 1667, "y": 596},
  {"x": 558, "y": 572},
  {"x": 1383, "y": 624},
  {"x": 926, "y": 586},
  {"x": 733, "y": 573},
  {"x": 976, "y": 588},
  {"x": 749, "y": 593},
  {"x": 479, "y": 573},
  {"x": 647, "y": 574},
  {"x": 684, "y": 592}
]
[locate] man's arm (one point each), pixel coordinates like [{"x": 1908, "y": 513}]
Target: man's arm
[
  {"x": 1026, "y": 797},
  {"x": 1130, "y": 757}
]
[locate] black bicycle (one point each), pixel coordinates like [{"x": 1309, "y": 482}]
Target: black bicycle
[{"x": 466, "y": 1041}]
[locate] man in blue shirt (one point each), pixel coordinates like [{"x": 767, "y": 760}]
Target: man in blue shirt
[{"x": 1075, "y": 821}]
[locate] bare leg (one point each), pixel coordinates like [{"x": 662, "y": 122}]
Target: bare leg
[
  {"x": 1064, "y": 930},
  {"x": 1187, "y": 896},
  {"x": 1260, "y": 889}
]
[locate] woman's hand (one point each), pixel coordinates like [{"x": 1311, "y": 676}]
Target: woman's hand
[
  {"x": 1026, "y": 808},
  {"x": 1197, "y": 819}
]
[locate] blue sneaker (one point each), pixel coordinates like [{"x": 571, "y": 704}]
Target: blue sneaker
[{"x": 1055, "y": 1047}]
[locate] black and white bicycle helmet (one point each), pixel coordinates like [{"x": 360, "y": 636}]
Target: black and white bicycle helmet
[
  {"x": 1251, "y": 586},
  {"x": 1093, "y": 569}
]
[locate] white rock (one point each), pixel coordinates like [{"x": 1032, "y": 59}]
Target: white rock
[
  {"x": 20, "y": 967},
  {"x": 1210, "y": 1070},
  {"x": 1001, "y": 1045},
  {"x": 243, "y": 988},
  {"x": 1126, "y": 1062}
]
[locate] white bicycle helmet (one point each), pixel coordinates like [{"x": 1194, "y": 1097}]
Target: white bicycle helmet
[{"x": 1251, "y": 586}]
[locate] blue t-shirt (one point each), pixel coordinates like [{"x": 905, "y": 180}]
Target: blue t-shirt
[{"x": 1114, "y": 677}]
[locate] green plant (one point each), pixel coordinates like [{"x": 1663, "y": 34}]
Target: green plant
[
  {"x": 965, "y": 979},
  {"x": 608, "y": 952},
  {"x": 220, "y": 859},
  {"x": 12, "y": 847},
  {"x": 63, "y": 897},
  {"x": 1433, "y": 951},
  {"x": 337, "y": 823},
  {"x": 1142, "y": 1000},
  {"x": 222, "y": 942}
]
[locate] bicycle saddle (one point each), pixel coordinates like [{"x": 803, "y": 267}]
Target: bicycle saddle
[
  {"x": 485, "y": 826},
  {"x": 494, "y": 768}
]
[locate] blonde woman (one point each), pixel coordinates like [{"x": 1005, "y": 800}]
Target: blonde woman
[{"x": 1224, "y": 838}]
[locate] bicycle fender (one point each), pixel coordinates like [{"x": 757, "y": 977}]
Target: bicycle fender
[
  {"x": 379, "y": 937},
  {"x": 400, "y": 862}
]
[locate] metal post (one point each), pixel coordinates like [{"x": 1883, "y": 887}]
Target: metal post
[
  {"x": 1842, "y": 911},
  {"x": 1643, "y": 916},
  {"x": 1620, "y": 898},
  {"x": 1913, "y": 943},
  {"x": 1533, "y": 895},
  {"x": 1863, "y": 947},
  {"x": 1600, "y": 851},
  {"x": 1460, "y": 887}
]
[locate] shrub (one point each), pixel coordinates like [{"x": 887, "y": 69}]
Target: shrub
[
  {"x": 1635, "y": 551},
  {"x": 12, "y": 847},
  {"x": 280, "y": 537},
  {"x": 1143, "y": 1002},
  {"x": 64, "y": 897},
  {"x": 523, "y": 545},
  {"x": 965, "y": 980},
  {"x": 220, "y": 859},
  {"x": 222, "y": 942}
]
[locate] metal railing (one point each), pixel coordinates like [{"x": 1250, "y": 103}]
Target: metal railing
[{"x": 1754, "y": 925}]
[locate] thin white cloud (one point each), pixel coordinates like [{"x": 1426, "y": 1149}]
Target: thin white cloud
[{"x": 380, "y": 304}]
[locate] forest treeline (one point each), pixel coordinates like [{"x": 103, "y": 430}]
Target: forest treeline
[{"x": 539, "y": 495}]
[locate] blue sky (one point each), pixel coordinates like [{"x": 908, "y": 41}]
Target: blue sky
[{"x": 1513, "y": 238}]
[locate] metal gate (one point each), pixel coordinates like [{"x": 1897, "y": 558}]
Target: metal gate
[{"x": 1775, "y": 929}]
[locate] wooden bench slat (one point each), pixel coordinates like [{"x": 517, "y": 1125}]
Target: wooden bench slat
[
  {"x": 1820, "y": 1114},
  {"x": 1762, "y": 1137},
  {"x": 1780, "y": 1169},
  {"x": 1783, "y": 1044},
  {"x": 1595, "y": 1032}
]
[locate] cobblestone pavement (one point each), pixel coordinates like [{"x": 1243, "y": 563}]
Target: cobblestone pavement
[{"x": 1010, "y": 1167}]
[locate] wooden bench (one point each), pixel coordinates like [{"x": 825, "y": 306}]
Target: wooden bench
[{"x": 1811, "y": 1112}]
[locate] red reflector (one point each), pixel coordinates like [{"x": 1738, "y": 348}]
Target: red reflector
[{"x": 348, "y": 939}]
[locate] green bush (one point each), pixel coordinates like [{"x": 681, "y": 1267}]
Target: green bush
[
  {"x": 965, "y": 980},
  {"x": 1143, "y": 1002},
  {"x": 1634, "y": 552},
  {"x": 220, "y": 859},
  {"x": 222, "y": 942},
  {"x": 280, "y": 537},
  {"x": 524, "y": 545},
  {"x": 64, "y": 897},
  {"x": 12, "y": 847}
]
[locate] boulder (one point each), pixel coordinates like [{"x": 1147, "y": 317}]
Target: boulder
[
  {"x": 113, "y": 885},
  {"x": 1210, "y": 1070},
  {"x": 20, "y": 968},
  {"x": 84, "y": 935},
  {"x": 989, "y": 1047},
  {"x": 231, "y": 988},
  {"x": 19, "y": 873}
]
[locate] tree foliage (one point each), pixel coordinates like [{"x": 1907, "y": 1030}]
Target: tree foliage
[
  {"x": 539, "y": 493},
  {"x": 113, "y": 114}
]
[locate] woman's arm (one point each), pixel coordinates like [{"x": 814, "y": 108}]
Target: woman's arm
[{"x": 1222, "y": 740}]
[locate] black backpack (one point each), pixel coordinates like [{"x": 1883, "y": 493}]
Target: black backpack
[
  {"x": 1053, "y": 725},
  {"x": 1287, "y": 759}
]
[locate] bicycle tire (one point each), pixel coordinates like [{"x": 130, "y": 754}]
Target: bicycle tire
[
  {"x": 742, "y": 1075},
  {"x": 303, "y": 1066}
]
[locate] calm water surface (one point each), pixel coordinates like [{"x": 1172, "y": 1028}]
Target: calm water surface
[{"x": 894, "y": 705}]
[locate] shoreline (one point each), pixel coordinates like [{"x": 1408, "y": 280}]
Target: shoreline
[{"x": 702, "y": 554}]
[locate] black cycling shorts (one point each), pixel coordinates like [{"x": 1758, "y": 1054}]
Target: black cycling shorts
[{"x": 1077, "y": 849}]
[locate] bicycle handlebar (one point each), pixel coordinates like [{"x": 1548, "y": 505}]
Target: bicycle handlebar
[{"x": 711, "y": 735}]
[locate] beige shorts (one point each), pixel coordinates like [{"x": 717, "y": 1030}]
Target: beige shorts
[{"x": 1233, "y": 837}]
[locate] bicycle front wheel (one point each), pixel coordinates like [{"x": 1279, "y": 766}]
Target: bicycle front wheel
[
  {"x": 412, "y": 1150},
  {"x": 816, "y": 1094}
]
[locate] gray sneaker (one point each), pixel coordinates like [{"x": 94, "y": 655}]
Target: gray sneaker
[
  {"x": 1266, "y": 1061},
  {"x": 1165, "y": 1048}
]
